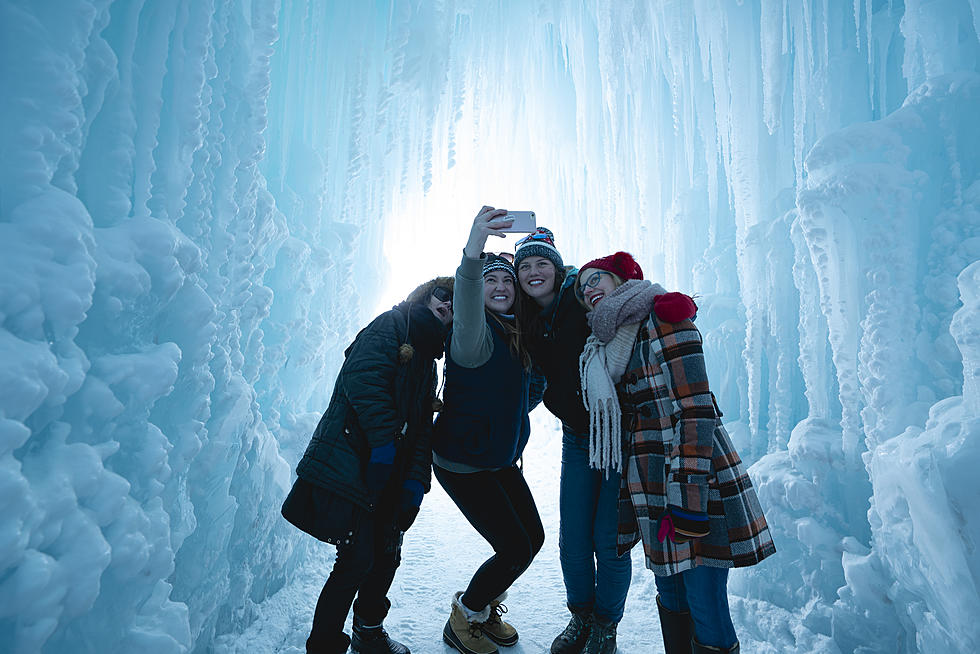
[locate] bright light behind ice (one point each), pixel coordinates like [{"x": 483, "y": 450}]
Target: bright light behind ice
[
  {"x": 201, "y": 203},
  {"x": 426, "y": 238}
]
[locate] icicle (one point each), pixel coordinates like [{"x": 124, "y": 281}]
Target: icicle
[
  {"x": 826, "y": 36},
  {"x": 772, "y": 44},
  {"x": 872, "y": 76},
  {"x": 857, "y": 24},
  {"x": 786, "y": 38}
]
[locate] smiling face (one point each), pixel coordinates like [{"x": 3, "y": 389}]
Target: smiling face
[
  {"x": 442, "y": 308},
  {"x": 537, "y": 278},
  {"x": 498, "y": 291},
  {"x": 596, "y": 284}
]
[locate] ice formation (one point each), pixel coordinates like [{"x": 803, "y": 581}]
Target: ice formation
[{"x": 200, "y": 203}]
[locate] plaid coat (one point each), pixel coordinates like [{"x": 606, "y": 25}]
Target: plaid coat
[{"x": 676, "y": 451}]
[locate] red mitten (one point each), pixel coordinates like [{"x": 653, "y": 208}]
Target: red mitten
[
  {"x": 666, "y": 528},
  {"x": 674, "y": 307}
]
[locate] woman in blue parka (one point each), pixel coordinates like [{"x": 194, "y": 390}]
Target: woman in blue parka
[{"x": 480, "y": 434}]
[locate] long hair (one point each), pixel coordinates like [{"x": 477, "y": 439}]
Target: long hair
[{"x": 528, "y": 311}]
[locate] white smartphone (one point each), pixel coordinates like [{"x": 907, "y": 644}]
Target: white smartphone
[{"x": 525, "y": 222}]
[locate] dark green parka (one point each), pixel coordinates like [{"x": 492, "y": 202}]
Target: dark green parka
[{"x": 381, "y": 395}]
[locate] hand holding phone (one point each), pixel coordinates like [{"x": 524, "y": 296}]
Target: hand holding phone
[{"x": 488, "y": 221}]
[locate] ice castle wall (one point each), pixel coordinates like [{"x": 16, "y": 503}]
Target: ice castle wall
[{"x": 194, "y": 203}]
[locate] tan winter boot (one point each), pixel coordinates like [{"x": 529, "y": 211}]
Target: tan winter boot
[
  {"x": 496, "y": 629},
  {"x": 464, "y": 629}
]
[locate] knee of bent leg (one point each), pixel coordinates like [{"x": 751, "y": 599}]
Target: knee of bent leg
[
  {"x": 537, "y": 540},
  {"x": 523, "y": 550}
]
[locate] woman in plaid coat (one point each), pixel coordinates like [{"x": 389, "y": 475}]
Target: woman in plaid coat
[{"x": 685, "y": 492}]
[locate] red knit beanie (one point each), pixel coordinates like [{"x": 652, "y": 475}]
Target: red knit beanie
[
  {"x": 671, "y": 307},
  {"x": 621, "y": 264}
]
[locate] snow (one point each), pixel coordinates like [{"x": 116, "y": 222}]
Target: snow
[{"x": 201, "y": 203}]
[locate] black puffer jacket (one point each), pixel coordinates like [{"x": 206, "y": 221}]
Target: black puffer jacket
[
  {"x": 556, "y": 339},
  {"x": 377, "y": 399}
]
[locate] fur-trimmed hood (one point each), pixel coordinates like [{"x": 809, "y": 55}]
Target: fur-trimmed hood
[{"x": 422, "y": 291}]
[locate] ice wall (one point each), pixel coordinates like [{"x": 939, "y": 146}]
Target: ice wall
[
  {"x": 148, "y": 385},
  {"x": 200, "y": 201}
]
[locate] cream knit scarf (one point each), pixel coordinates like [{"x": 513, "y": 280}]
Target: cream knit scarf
[{"x": 615, "y": 322}]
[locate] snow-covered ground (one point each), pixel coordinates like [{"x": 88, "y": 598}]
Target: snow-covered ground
[{"x": 439, "y": 554}]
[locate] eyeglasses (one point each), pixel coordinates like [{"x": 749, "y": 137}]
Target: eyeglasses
[
  {"x": 594, "y": 278},
  {"x": 442, "y": 294},
  {"x": 507, "y": 256},
  {"x": 535, "y": 236}
]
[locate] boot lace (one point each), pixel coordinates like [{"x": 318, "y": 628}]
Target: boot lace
[
  {"x": 598, "y": 639},
  {"x": 496, "y": 610},
  {"x": 574, "y": 629}
]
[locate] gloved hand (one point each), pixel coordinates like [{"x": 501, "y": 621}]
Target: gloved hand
[
  {"x": 681, "y": 526},
  {"x": 411, "y": 500},
  {"x": 379, "y": 469}
]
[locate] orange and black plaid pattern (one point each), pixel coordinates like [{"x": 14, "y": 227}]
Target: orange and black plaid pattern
[{"x": 677, "y": 452}]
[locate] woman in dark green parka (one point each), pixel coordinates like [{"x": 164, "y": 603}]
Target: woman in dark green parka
[{"x": 361, "y": 480}]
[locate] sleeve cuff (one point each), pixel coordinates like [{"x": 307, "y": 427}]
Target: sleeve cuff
[
  {"x": 384, "y": 454},
  {"x": 414, "y": 488}
]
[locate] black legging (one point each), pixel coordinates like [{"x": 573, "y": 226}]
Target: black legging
[
  {"x": 499, "y": 505},
  {"x": 366, "y": 568}
]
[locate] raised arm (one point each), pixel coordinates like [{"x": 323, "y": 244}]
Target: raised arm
[{"x": 472, "y": 343}]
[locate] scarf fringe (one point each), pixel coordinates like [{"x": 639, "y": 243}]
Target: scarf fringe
[
  {"x": 605, "y": 415},
  {"x": 605, "y": 450}
]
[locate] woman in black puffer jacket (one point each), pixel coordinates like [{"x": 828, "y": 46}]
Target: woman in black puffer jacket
[{"x": 361, "y": 480}]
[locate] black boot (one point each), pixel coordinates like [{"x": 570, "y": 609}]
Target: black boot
[
  {"x": 708, "y": 649},
  {"x": 676, "y": 629},
  {"x": 572, "y": 639},
  {"x": 374, "y": 640},
  {"x": 602, "y": 640}
]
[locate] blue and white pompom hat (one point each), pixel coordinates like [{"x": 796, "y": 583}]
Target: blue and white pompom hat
[{"x": 539, "y": 243}]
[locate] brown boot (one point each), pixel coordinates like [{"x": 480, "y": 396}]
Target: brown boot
[
  {"x": 464, "y": 630},
  {"x": 496, "y": 629}
]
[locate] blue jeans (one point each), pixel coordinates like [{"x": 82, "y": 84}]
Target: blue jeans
[
  {"x": 704, "y": 592},
  {"x": 595, "y": 578}
]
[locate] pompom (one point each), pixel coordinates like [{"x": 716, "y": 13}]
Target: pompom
[
  {"x": 674, "y": 307},
  {"x": 628, "y": 266},
  {"x": 622, "y": 264},
  {"x": 405, "y": 353}
]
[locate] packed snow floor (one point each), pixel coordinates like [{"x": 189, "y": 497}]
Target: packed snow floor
[{"x": 439, "y": 554}]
